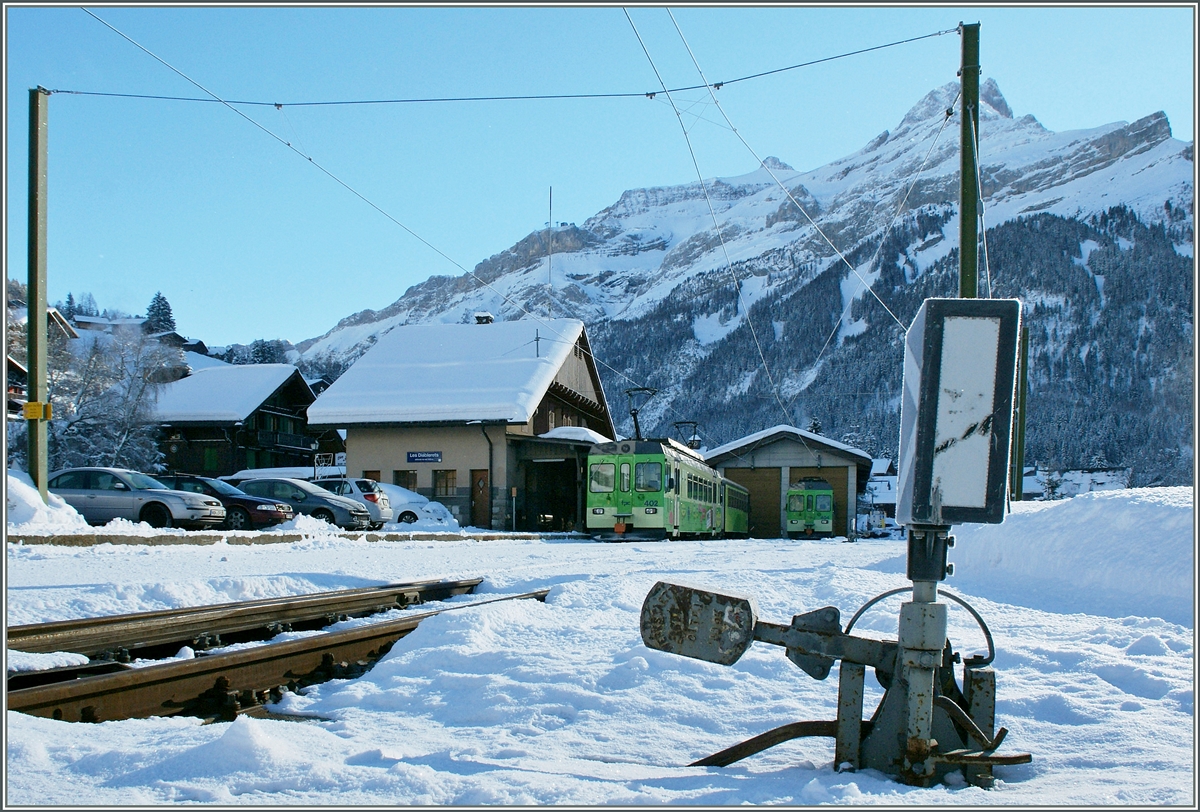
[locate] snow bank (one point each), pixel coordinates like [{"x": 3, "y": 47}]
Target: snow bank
[
  {"x": 31, "y": 661},
  {"x": 1127, "y": 552},
  {"x": 27, "y": 513},
  {"x": 533, "y": 704}
]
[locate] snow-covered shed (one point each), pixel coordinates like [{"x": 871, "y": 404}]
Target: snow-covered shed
[
  {"x": 223, "y": 418},
  {"x": 467, "y": 414},
  {"x": 767, "y": 462}
]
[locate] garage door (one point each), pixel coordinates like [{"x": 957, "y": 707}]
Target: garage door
[
  {"x": 837, "y": 479},
  {"x": 763, "y": 484}
]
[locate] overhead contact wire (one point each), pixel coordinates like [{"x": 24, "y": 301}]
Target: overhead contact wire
[
  {"x": 717, "y": 226},
  {"x": 987, "y": 265},
  {"x": 785, "y": 190},
  {"x": 892, "y": 222},
  {"x": 517, "y": 97},
  {"x": 516, "y": 305}
]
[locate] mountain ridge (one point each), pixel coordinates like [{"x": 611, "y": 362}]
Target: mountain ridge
[{"x": 653, "y": 263}]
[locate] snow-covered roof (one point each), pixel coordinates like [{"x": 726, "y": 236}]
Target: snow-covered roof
[
  {"x": 101, "y": 323},
  {"x": 450, "y": 372},
  {"x": 575, "y": 433},
  {"x": 880, "y": 467},
  {"x": 20, "y": 315},
  {"x": 220, "y": 394},
  {"x": 197, "y": 361},
  {"x": 799, "y": 434}
]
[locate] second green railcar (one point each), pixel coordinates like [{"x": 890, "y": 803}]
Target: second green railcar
[
  {"x": 659, "y": 489},
  {"x": 809, "y": 508}
]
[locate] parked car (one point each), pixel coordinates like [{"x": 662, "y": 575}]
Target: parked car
[
  {"x": 307, "y": 498},
  {"x": 409, "y": 506},
  {"x": 104, "y": 494},
  {"x": 364, "y": 491},
  {"x": 242, "y": 511}
]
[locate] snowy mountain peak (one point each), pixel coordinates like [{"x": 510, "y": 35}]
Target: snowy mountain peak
[
  {"x": 933, "y": 106},
  {"x": 989, "y": 94},
  {"x": 771, "y": 162}
]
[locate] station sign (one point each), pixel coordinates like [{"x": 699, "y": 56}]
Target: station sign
[{"x": 424, "y": 456}]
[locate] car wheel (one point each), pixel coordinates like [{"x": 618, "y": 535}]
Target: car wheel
[
  {"x": 377, "y": 526},
  {"x": 408, "y": 517},
  {"x": 237, "y": 519},
  {"x": 323, "y": 515},
  {"x": 156, "y": 515}
]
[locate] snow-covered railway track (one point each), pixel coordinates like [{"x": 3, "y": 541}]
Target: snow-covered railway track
[
  {"x": 152, "y": 635},
  {"x": 226, "y": 684}
]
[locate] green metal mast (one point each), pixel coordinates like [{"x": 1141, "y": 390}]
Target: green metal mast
[
  {"x": 968, "y": 201},
  {"x": 37, "y": 407}
]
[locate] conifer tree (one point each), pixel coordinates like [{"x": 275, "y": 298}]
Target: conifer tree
[{"x": 158, "y": 315}]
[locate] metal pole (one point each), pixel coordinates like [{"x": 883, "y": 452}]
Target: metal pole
[
  {"x": 483, "y": 428},
  {"x": 968, "y": 227},
  {"x": 1019, "y": 445},
  {"x": 37, "y": 409}
]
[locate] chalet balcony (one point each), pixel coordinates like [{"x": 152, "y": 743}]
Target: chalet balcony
[{"x": 280, "y": 439}]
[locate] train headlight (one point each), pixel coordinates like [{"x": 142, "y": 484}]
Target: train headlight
[
  {"x": 598, "y": 511},
  {"x": 650, "y": 511}
]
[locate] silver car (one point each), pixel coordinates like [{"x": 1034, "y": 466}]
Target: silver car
[
  {"x": 103, "y": 494},
  {"x": 305, "y": 497},
  {"x": 364, "y": 491}
]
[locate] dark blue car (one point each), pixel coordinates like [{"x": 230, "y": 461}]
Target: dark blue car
[{"x": 242, "y": 511}]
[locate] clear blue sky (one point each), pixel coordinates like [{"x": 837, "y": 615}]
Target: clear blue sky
[{"x": 247, "y": 240}]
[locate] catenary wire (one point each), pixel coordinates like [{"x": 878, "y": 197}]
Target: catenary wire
[
  {"x": 517, "y": 97},
  {"x": 785, "y": 190},
  {"x": 370, "y": 203},
  {"x": 774, "y": 386},
  {"x": 883, "y": 237},
  {"x": 987, "y": 266},
  {"x": 712, "y": 212},
  {"x": 216, "y": 99},
  {"x": 717, "y": 226}
]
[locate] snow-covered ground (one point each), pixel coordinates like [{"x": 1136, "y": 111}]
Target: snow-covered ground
[{"x": 1090, "y": 601}]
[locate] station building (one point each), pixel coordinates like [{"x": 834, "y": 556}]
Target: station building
[
  {"x": 492, "y": 419},
  {"x": 766, "y": 462}
]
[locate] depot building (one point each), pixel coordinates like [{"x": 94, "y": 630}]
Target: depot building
[
  {"x": 768, "y": 461},
  {"x": 492, "y": 419}
]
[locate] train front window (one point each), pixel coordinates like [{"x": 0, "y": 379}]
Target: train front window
[
  {"x": 796, "y": 502},
  {"x": 647, "y": 476},
  {"x": 603, "y": 477},
  {"x": 810, "y": 502},
  {"x": 824, "y": 502},
  {"x": 625, "y": 477}
]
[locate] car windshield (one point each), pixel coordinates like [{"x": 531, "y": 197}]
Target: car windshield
[
  {"x": 368, "y": 486},
  {"x": 142, "y": 482},
  {"x": 224, "y": 488}
]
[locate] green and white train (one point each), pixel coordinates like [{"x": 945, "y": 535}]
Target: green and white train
[
  {"x": 660, "y": 489},
  {"x": 809, "y": 508}
]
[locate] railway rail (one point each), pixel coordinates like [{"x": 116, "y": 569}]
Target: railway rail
[
  {"x": 220, "y": 685},
  {"x": 153, "y": 635}
]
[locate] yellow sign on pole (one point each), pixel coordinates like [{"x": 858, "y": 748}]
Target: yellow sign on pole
[{"x": 36, "y": 411}]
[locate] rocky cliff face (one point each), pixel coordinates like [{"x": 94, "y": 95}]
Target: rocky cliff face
[{"x": 771, "y": 319}]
